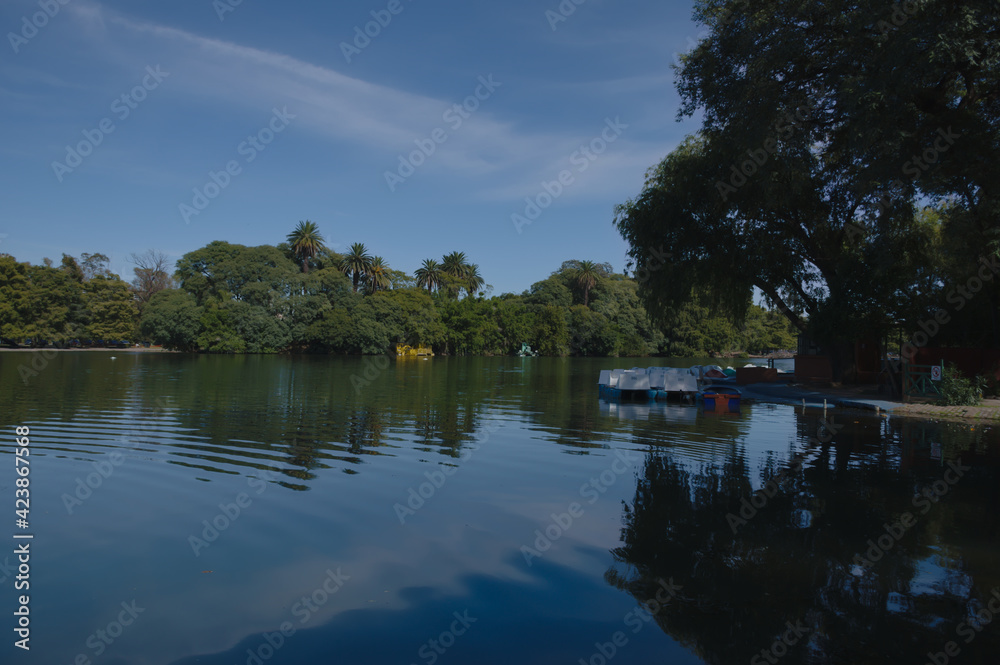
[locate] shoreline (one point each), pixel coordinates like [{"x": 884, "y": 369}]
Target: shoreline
[
  {"x": 793, "y": 394},
  {"x": 127, "y": 349},
  {"x": 846, "y": 399}
]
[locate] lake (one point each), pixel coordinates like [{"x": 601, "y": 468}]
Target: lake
[{"x": 231, "y": 510}]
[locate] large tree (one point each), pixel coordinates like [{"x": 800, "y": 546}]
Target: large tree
[
  {"x": 455, "y": 272},
  {"x": 306, "y": 242},
  {"x": 474, "y": 282},
  {"x": 15, "y": 310},
  {"x": 95, "y": 265},
  {"x": 152, "y": 275},
  {"x": 587, "y": 274},
  {"x": 173, "y": 319},
  {"x": 222, "y": 272},
  {"x": 377, "y": 278},
  {"x": 826, "y": 125},
  {"x": 356, "y": 263},
  {"x": 111, "y": 307},
  {"x": 429, "y": 275}
]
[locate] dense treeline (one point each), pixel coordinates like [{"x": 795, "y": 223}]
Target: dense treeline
[
  {"x": 845, "y": 166},
  {"x": 301, "y": 297}
]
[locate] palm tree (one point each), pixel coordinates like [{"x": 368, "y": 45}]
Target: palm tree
[
  {"x": 356, "y": 263},
  {"x": 377, "y": 275},
  {"x": 587, "y": 274},
  {"x": 429, "y": 274},
  {"x": 474, "y": 281},
  {"x": 306, "y": 242},
  {"x": 455, "y": 268},
  {"x": 455, "y": 264}
]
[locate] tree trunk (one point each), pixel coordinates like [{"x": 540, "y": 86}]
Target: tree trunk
[{"x": 842, "y": 362}]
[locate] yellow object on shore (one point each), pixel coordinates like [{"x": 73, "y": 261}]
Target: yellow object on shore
[{"x": 405, "y": 350}]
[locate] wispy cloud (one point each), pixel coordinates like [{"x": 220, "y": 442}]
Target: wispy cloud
[
  {"x": 352, "y": 111},
  {"x": 329, "y": 102}
]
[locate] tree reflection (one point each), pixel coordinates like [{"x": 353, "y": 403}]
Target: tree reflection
[{"x": 793, "y": 560}]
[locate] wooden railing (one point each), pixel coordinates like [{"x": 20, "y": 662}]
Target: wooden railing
[{"x": 917, "y": 381}]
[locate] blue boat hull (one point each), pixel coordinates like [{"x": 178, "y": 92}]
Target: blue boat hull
[{"x": 608, "y": 392}]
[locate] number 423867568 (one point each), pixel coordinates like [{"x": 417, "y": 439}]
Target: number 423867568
[{"x": 22, "y": 465}]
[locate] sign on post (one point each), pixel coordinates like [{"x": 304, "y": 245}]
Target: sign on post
[{"x": 936, "y": 373}]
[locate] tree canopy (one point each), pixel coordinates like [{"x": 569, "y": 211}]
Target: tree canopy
[
  {"x": 828, "y": 132},
  {"x": 306, "y": 242},
  {"x": 231, "y": 298}
]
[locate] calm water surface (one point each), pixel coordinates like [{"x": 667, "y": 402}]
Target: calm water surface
[{"x": 480, "y": 511}]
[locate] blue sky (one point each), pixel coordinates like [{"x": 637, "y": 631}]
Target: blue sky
[{"x": 162, "y": 95}]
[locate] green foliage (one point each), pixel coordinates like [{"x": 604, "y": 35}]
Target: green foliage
[
  {"x": 172, "y": 318},
  {"x": 808, "y": 174},
  {"x": 152, "y": 275},
  {"x": 551, "y": 292},
  {"x": 220, "y": 272},
  {"x": 957, "y": 390},
  {"x": 356, "y": 263},
  {"x": 378, "y": 278},
  {"x": 551, "y": 332},
  {"x": 764, "y": 331},
  {"x": 401, "y": 280},
  {"x": 238, "y": 299},
  {"x": 14, "y": 299},
  {"x": 218, "y": 334},
  {"x": 306, "y": 242},
  {"x": 585, "y": 275},
  {"x": 95, "y": 265},
  {"x": 617, "y": 298},
  {"x": 330, "y": 333},
  {"x": 591, "y": 334},
  {"x": 54, "y": 306},
  {"x": 695, "y": 331},
  {"x": 428, "y": 275},
  {"x": 260, "y": 331},
  {"x": 112, "y": 308}
]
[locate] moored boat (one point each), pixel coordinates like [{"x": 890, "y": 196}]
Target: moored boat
[
  {"x": 647, "y": 383},
  {"x": 625, "y": 384},
  {"x": 720, "y": 398}
]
